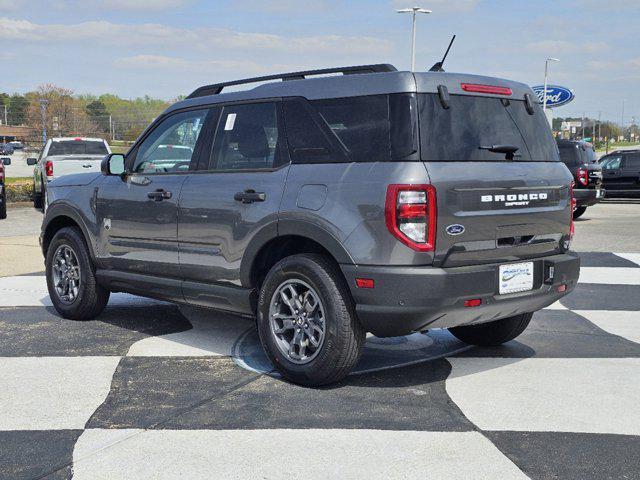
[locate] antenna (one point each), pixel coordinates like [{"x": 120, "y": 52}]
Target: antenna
[{"x": 437, "y": 67}]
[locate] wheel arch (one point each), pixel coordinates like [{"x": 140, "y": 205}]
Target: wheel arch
[{"x": 61, "y": 216}]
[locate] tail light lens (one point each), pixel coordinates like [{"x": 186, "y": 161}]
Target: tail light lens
[
  {"x": 48, "y": 168},
  {"x": 582, "y": 176},
  {"x": 410, "y": 214},
  {"x": 1, "y": 172}
]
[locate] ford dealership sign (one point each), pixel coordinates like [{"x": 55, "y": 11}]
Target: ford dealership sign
[{"x": 556, "y": 95}]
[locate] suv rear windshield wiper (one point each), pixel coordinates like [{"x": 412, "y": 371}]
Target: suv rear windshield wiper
[{"x": 508, "y": 150}]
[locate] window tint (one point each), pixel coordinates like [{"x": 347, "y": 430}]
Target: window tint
[
  {"x": 170, "y": 146},
  {"x": 611, "y": 163},
  {"x": 457, "y": 133},
  {"x": 569, "y": 155},
  {"x": 77, "y": 147},
  {"x": 632, "y": 161},
  {"x": 246, "y": 138},
  {"x": 372, "y": 128},
  {"x": 308, "y": 143}
]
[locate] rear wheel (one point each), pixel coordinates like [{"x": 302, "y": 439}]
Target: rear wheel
[
  {"x": 71, "y": 280},
  {"x": 306, "y": 321},
  {"x": 579, "y": 211},
  {"x": 493, "y": 333}
]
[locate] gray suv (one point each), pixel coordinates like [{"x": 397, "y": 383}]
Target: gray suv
[{"x": 326, "y": 207}]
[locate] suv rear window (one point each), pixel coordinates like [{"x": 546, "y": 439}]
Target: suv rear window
[
  {"x": 77, "y": 147},
  {"x": 576, "y": 154},
  {"x": 458, "y": 132}
]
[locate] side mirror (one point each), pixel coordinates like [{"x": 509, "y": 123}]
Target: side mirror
[
  {"x": 32, "y": 161},
  {"x": 113, "y": 164},
  {"x": 6, "y": 161}
]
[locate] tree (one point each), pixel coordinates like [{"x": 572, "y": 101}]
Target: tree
[
  {"x": 97, "y": 112},
  {"x": 18, "y": 106}
]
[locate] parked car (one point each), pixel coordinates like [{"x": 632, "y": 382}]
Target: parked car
[
  {"x": 392, "y": 203},
  {"x": 17, "y": 145},
  {"x": 581, "y": 160},
  {"x": 65, "y": 156},
  {"x": 6, "y": 149},
  {"x": 3, "y": 191},
  {"x": 621, "y": 173}
]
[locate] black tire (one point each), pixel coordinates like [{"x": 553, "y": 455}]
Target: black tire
[
  {"x": 3, "y": 208},
  {"x": 343, "y": 335},
  {"x": 91, "y": 298},
  {"x": 577, "y": 213},
  {"x": 493, "y": 333},
  {"x": 38, "y": 197}
]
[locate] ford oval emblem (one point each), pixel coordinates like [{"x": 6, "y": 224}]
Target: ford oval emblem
[
  {"x": 556, "y": 95},
  {"x": 455, "y": 229}
]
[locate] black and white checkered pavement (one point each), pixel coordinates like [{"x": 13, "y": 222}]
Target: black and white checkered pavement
[{"x": 154, "y": 391}]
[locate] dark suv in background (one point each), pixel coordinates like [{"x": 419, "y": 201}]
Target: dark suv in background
[
  {"x": 582, "y": 162},
  {"x": 326, "y": 207},
  {"x": 621, "y": 173}
]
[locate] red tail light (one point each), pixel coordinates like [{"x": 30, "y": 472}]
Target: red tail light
[
  {"x": 48, "y": 168},
  {"x": 1, "y": 172},
  {"x": 410, "y": 214},
  {"x": 493, "y": 89},
  {"x": 573, "y": 208},
  {"x": 582, "y": 176}
]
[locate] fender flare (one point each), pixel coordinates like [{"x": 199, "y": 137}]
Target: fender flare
[
  {"x": 58, "y": 210},
  {"x": 286, "y": 227}
]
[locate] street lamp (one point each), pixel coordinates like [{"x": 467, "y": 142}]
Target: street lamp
[
  {"x": 413, "y": 11},
  {"x": 546, "y": 75}
]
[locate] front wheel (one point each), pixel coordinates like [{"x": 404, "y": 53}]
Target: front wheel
[
  {"x": 493, "y": 333},
  {"x": 71, "y": 279},
  {"x": 306, "y": 321},
  {"x": 579, "y": 211}
]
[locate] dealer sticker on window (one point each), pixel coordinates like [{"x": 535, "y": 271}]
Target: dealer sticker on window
[{"x": 516, "y": 277}]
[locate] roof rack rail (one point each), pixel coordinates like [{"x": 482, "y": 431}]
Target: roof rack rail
[{"x": 216, "y": 88}]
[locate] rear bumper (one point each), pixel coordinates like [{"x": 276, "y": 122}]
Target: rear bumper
[
  {"x": 409, "y": 299},
  {"x": 586, "y": 197}
]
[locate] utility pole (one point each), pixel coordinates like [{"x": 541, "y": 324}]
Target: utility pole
[
  {"x": 5, "y": 115},
  {"x": 582, "y": 124},
  {"x": 622, "y": 120},
  {"x": 413, "y": 11},
  {"x": 111, "y": 127},
  {"x": 43, "y": 111},
  {"x": 599, "y": 125}
]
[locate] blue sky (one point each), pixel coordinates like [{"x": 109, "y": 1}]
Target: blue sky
[{"x": 168, "y": 47}]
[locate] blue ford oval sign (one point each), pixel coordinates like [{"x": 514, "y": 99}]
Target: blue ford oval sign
[
  {"x": 455, "y": 229},
  {"x": 556, "y": 95}
]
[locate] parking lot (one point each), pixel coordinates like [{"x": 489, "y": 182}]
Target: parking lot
[{"x": 152, "y": 390}]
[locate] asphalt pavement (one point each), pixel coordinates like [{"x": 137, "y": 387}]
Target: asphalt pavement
[{"x": 151, "y": 390}]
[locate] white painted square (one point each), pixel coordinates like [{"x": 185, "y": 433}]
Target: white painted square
[
  {"x": 610, "y": 275},
  {"x": 621, "y": 323},
  {"x": 279, "y": 454},
  {"x": 52, "y": 393},
  {"x": 594, "y": 395}
]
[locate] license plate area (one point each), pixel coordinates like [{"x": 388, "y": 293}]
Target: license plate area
[{"x": 515, "y": 277}]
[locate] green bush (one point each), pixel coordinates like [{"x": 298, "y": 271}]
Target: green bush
[{"x": 19, "y": 192}]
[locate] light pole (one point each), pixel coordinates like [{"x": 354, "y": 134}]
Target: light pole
[
  {"x": 546, "y": 81},
  {"x": 43, "y": 111},
  {"x": 413, "y": 11}
]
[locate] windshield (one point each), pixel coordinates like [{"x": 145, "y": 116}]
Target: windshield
[
  {"x": 78, "y": 147},
  {"x": 471, "y": 125}
]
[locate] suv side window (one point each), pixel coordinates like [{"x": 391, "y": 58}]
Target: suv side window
[
  {"x": 612, "y": 163},
  {"x": 170, "y": 147},
  {"x": 632, "y": 161},
  {"x": 247, "y": 138}
]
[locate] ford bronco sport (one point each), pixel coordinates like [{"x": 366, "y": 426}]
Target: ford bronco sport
[{"x": 371, "y": 200}]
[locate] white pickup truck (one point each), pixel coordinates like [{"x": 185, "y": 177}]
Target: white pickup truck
[{"x": 64, "y": 156}]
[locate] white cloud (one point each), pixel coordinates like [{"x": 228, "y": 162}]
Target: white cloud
[
  {"x": 439, "y": 6},
  {"x": 203, "y": 39},
  {"x": 550, "y": 47}
]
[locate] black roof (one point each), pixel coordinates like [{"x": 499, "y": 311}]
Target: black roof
[{"x": 353, "y": 81}]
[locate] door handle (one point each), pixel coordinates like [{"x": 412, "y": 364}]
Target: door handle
[
  {"x": 159, "y": 195},
  {"x": 250, "y": 196}
]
